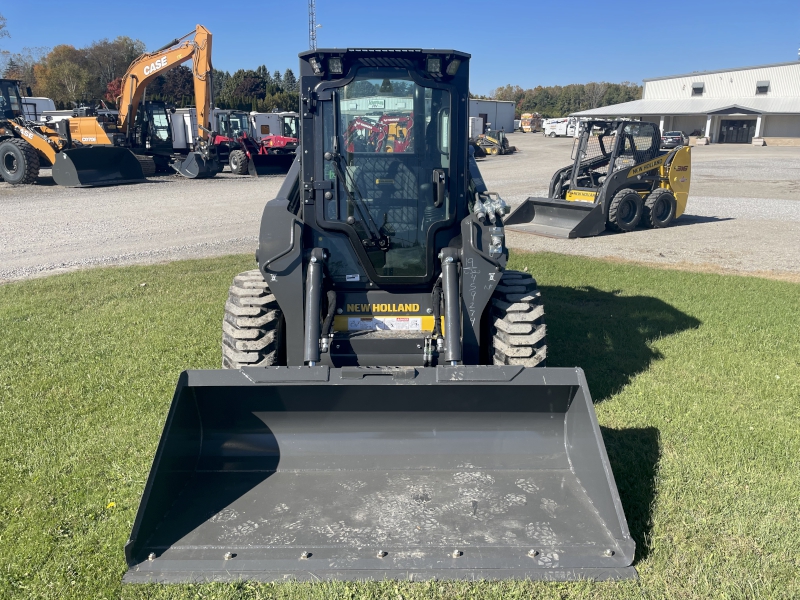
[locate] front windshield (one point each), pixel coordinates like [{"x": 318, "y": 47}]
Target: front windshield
[
  {"x": 391, "y": 137},
  {"x": 232, "y": 125},
  {"x": 290, "y": 126},
  {"x": 161, "y": 123},
  {"x": 9, "y": 98}
]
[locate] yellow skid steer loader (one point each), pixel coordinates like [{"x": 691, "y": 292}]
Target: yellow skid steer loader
[{"x": 619, "y": 180}]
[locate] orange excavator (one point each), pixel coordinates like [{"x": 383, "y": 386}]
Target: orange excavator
[{"x": 144, "y": 126}]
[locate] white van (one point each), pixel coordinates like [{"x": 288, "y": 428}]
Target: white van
[{"x": 558, "y": 127}]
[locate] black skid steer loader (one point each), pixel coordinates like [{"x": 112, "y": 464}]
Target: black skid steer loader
[
  {"x": 383, "y": 410},
  {"x": 619, "y": 180}
]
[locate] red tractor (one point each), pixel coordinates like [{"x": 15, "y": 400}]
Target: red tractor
[
  {"x": 237, "y": 147},
  {"x": 390, "y": 133}
]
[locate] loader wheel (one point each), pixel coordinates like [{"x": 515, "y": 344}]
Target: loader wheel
[
  {"x": 517, "y": 322},
  {"x": 625, "y": 210},
  {"x": 238, "y": 162},
  {"x": 19, "y": 163},
  {"x": 147, "y": 163},
  {"x": 659, "y": 209},
  {"x": 252, "y": 328}
]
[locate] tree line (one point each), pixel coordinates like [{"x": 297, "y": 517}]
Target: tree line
[
  {"x": 84, "y": 76},
  {"x": 559, "y": 101}
]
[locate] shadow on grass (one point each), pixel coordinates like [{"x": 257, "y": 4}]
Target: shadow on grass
[
  {"x": 634, "y": 455},
  {"x": 609, "y": 336}
]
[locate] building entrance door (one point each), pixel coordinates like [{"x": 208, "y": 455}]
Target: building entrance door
[{"x": 736, "y": 131}]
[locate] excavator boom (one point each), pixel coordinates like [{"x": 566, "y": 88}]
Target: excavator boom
[{"x": 152, "y": 64}]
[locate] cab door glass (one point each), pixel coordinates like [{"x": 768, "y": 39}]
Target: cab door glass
[{"x": 390, "y": 134}]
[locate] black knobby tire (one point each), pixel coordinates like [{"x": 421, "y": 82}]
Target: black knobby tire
[
  {"x": 625, "y": 210},
  {"x": 516, "y": 322},
  {"x": 147, "y": 163},
  {"x": 659, "y": 209},
  {"x": 19, "y": 163},
  {"x": 252, "y": 328},
  {"x": 238, "y": 162}
]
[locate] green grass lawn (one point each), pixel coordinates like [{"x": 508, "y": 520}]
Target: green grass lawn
[{"x": 695, "y": 379}]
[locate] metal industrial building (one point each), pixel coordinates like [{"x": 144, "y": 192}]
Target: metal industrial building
[
  {"x": 498, "y": 114},
  {"x": 730, "y": 106}
]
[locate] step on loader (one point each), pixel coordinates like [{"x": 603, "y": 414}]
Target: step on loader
[
  {"x": 619, "y": 180},
  {"x": 383, "y": 410},
  {"x": 27, "y": 146}
]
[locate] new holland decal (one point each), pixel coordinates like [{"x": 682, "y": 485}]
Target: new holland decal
[
  {"x": 383, "y": 308},
  {"x": 645, "y": 167}
]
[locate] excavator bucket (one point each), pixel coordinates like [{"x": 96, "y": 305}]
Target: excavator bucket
[
  {"x": 309, "y": 473},
  {"x": 93, "y": 166},
  {"x": 557, "y": 218},
  {"x": 194, "y": 166}
]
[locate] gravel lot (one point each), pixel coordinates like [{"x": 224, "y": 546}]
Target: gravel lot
[{"x": 743, "y": 216}]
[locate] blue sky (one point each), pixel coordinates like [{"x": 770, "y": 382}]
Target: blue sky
[{"x": 524, "y": 43}]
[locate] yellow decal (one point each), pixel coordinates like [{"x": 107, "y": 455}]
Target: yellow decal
[
  {"x": 382, "y": 308},
  {"x": 580, "y": 196},
  {"x": 645, "y": 167}
]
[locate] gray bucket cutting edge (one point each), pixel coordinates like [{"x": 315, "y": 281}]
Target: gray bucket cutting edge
[
  {"x": 359, "y": 473},
  {"x": 194, "y": 166},
  {"x": 95, "y": 166},
  {"x": 557, "y": 218}
]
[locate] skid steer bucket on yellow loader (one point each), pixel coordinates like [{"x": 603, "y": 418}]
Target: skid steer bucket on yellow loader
[
  {"x": 93, "y": 166},
  {"x": 557, "y": 218},
  {"x": 450, "y": 472}
]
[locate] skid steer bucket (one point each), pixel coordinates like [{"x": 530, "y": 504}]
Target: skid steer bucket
[
  {"x": 93, "y": 166},
  {"x": 557, "y": 218},
  {"x": 369, "y": 473},
  {"x": 194, "y": 166}
]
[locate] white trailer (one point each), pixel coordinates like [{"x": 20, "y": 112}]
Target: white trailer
[{"x": 276, "y": 123}]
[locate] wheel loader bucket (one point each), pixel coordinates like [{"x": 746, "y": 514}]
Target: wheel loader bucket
[
  {"x": 357, "y": 473},
  {"x": 194, "y": 166},
  {"x": 269, "y": 164},
  {"x": 93, "y": 166},
  {"x": 557, "y": 218}
]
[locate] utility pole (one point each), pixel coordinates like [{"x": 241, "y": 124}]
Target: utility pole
[{"x": 312, "y": 24}]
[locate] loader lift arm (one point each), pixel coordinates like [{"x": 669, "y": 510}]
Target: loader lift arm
[{"x": 150, "y": 65}]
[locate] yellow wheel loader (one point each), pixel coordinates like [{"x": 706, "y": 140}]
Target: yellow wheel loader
[
  {"x": 27, "y": 146},
  {"x": 383, "y": 410},
  {"x": 619, "y": 180}
]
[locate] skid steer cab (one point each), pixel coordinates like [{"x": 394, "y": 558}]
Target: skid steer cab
[
  {"x": 383, "y": 408},
  {"x": 619, "y": 180}
]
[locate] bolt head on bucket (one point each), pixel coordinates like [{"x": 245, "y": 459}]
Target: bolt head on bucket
[
  {"x": 195, "y": 166},
  {"x": 93, "y": 166},
  {"x": 351, "y": 473}
]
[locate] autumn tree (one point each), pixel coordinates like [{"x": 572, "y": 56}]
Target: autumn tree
[
  {"x": 63, "y": 75},
  {"x": 107, "y": 60}
]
